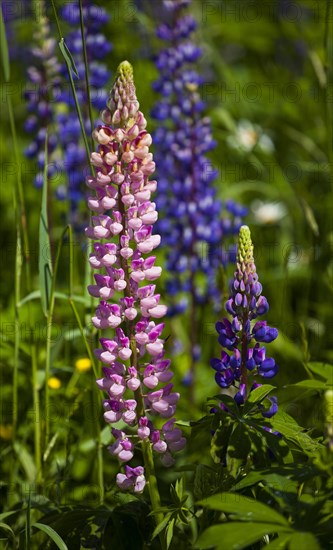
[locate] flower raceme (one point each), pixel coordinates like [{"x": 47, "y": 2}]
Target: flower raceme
[
  {"x": 136, "y": 376},
  {"x": 97, "y": 48},
  {"x": 43, "y": 75},
  {"x": 190, "y": 210},
  {"x": 245, "y": 304}
]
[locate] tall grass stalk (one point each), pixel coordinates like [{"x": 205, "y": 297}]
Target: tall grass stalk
[
  {"x": 70, "y": 69},
  {"x": 86, "y": 71}
]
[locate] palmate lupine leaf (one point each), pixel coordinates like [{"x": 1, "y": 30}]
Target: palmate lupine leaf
[
  {"x": 293, "y": 433},
  {"x": 256, "y": 521}
]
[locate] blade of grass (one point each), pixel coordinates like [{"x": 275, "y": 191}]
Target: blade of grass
[
  {"x": 96, "y": 394},
  {"x": 46, "y": 283},
  {"x": 20, "y": 195},
  {"x": 70, "y": 67},
  {"x": 18, "y": 272},
  {"x": 45, "y": 262},
  {"x": 4, "y": 49},
  {"x": 52, "y": 534},
  {"x": 50, "y": 314},
  {"x": 9, "y": 532},
  {"x": 329, "y": 79},
  {"x": 86, "y": 71},
  {"x": 37, "y": 421},
  {"x": 28, "y": 522}
]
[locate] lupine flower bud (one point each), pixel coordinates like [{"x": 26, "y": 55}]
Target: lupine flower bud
[
  {"x": 136, "y": 375},
  {"x": 244, "y": 305}
]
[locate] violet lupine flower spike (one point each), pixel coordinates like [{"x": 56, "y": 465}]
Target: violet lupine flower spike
[
  {"x": 97, "y": 47},
  {"x": 136, "y": 374},
  {"x": 43, "y": 75},
  {"x": 245, "y": 304},
  {"x": 193, "y": 218}
]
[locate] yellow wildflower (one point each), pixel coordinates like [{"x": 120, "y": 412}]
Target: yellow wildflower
[
  {"x": 83, "y": 364},
  {"x": 54, "y": 383}
]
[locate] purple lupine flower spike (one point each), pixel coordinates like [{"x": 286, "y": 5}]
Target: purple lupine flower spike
[
  {"x": 43, "y": 87},
  {"x": 194, "y": 224},
  {"x": 97, "y": 48},
  {"x": 245, "y": 304},
  {"x": 191, "y": 223},
  {"x": 136, "y": 376}
]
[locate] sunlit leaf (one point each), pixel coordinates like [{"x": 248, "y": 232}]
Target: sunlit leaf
[
  {"x": 243, "y": 508},
  {"x": 234, "y": 535}
]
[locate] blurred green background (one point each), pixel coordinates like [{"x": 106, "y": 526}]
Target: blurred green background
[{"x": 269, "y": 91}]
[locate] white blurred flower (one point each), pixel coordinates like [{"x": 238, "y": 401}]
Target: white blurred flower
[
  {"x": 268, "y": 212},
  {"x": 248, "y": 135}
]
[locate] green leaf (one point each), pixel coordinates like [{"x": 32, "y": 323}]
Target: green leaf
[
  {"x": 304, "y": 541},
  {"x": 52, "y": 534},
  {"x": 279, "y": 543},
  {"x": 243, "y": 508},
  {"x": 5, "y": 515},
  {"x": 36, "y": 294},
  {"x": 228, "y": 402},
  {"x": 239, "y": 447},
  {"x": 26, "y": 461},
  {"x": 257, "y": 396},
  {"x": 169, "y": 532},
  {"x": 106, "y": 436},
  {"x": 206, "y": 480},
  {"x": 317, "y": 385},
  {"x": 9, "y": 532},
  {"x": 235, "y": 535},
  {"x": 4, "y": 49},
  {"x": 219, "y": 443},
  {"x": 179, "y": 488},
  {"x": 292, "y": 432},
  {"x": 310, "y": 217},
  {"x": 161, "y": 525},
  {"x": 45, "y": 263},
  {"x": 324, "y": 370},
  {"x": 263, "y": 439},
  {"x": 68, "y": 57}
]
